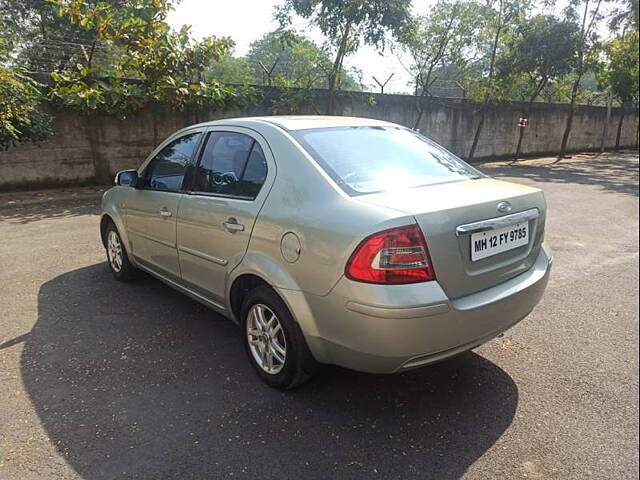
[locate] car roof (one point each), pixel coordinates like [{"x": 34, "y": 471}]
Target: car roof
[{"x": 302, "y": 122}]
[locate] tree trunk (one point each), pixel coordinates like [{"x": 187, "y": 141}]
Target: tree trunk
[
  {"x": 424, "y": 93},
  {"x": 420, "y": 101},
  {"x": 525, "y": 114},
  {"x": 331, "y": 98},
  {"x": 102, "y": 173},
  {"x": 619, "y": 133},
  {"x": 419, "y": 117},
  {"x": 526, "y": 111},
  {"x": 519, "y": 147},
  {"x": 569, "y": 124},
  {"x": 337, "y": 67},
  {"x": 91, "y": 52},
  {"x": 421, "y": 104},
  {"x": 492, "y": 65},
  {"x": 584, "y": 32},
  {"x": 476, "y": 137},
  {"x": 605, "y": 130},
  {"x": 444, "y": 41}
]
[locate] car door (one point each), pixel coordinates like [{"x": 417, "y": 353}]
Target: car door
[
  {"x": 229, "y": 185},
  {"x": 151, "y": 209}
]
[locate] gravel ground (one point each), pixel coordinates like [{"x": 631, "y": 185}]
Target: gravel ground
[{"x": 101, "y": 380}]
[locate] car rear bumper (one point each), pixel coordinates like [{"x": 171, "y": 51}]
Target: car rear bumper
[{"x": 385, "y": 329}]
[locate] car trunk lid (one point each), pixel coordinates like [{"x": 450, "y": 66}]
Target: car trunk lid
[{"x": 446, "y": 214}]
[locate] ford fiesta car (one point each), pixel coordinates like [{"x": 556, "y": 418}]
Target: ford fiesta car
[{"x": 331, "y": 240}]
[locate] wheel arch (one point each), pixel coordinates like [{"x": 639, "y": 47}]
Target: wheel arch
[
  {"x": 104, "y": 223},
  {"x": 242, "y": 285},
  {"x": 112, "y": 214},
  {"x": 294, "y": 300},
  {"x": 257, "y": 269}
]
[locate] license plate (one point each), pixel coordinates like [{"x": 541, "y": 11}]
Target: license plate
[{"x": 492, "y": 242}]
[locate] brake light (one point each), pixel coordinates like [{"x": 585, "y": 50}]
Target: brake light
[{"x": 395, "y": 256}]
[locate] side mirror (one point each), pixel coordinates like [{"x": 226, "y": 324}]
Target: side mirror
[{"x": 127, "y": 178}]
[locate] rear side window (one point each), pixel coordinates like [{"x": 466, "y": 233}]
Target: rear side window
[
  {"x": 231, "y": 164},
  {"x": 375, "y": 159},
  {"x": 254, "y": 173},
  {"x": 166, "y": 170}
]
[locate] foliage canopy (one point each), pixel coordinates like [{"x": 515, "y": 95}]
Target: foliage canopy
[
  {"x": 154, "y": 64},
  {"x": 347, "y": 24},
  {"x": 21, "y": 116},
  {"x": 619, "y": 70}
]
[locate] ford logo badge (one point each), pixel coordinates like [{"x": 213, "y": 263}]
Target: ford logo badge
[{"x": 504, "y": 207}]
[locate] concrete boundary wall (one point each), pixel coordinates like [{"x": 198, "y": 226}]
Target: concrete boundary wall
[{"x": 86, "y": 148}]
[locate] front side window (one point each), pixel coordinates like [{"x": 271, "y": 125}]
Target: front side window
[
  {"x": 167, "y": 169},
  {"x": 231, "y": 164},
  {"x": 376, "y": 159}
]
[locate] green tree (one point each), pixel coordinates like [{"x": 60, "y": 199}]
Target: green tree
[
  {"x": 42, "y": 40},
  {"x": 625, "y": 16},
  {"x": 619, "y": 72},
  {"x": 347, "y": 24},
  {"x": 541, "y": 49},
  {"x": 586, "y": 49},
  {"x": 21, "y": 116},
  {"x": 558, "y": 90},
  {"x": 232, "y": 70},
  {"x": 435, "y": 42},
  {"x": 153, "y": 66},
  {"x": 287, "y": 59},
  {"x": 500, "y": 18},
  {"x": 282, "y": 59},
  {"x": 154, "y": 63}
]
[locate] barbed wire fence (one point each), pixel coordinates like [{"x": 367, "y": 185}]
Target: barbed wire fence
[{"x": 46, "y": 55}]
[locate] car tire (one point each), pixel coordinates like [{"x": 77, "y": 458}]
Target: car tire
[
  {"x": 281, "y": 333},
  {"x": 117, "y": 256}
]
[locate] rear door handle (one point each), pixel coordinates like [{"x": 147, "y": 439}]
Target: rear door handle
[
  {"x": 232, "y": 225},
  {"x": 165, "y": 212}
]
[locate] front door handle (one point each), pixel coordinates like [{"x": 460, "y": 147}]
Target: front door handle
[
  {"x": 165, "y": 212},
  {"x": 232, "y": 225}
]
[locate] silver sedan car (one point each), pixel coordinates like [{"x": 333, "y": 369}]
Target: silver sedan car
[{"x": 331, "y": 240}]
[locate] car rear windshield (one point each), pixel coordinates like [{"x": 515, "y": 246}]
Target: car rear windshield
[{"x": 376, "y": 159}]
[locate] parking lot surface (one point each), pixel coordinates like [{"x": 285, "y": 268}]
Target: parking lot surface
[{"x": 103, "y": 380}]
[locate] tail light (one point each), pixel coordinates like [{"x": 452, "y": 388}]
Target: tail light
[{"x": 395, "y": 256}]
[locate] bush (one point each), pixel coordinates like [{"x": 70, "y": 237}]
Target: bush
[{"x": 21, "y": 119}]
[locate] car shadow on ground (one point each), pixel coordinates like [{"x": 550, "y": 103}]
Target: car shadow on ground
[
  {"x": 138, "y": 381},
  {"x": 615, "y": 173}
]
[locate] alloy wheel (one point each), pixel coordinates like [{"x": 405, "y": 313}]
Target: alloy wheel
[
  {"x": 114, "y": 251},
  {"x": 266, "y": 339}
]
